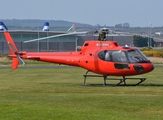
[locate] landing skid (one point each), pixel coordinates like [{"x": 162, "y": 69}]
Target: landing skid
[{"x": 122, "y": 81}]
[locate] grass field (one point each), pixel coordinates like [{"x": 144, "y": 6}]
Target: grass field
[{"x": 58, "y": 94}]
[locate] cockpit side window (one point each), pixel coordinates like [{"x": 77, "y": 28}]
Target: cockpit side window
[
  {"x": 115, "y": 56},
  {"x": 107, "y": 55},
  {"x": 119, "y": 56},
  {"x": 104, "y": 55}
]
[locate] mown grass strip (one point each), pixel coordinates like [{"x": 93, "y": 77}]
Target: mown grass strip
[{"x": 57, "y": 93}]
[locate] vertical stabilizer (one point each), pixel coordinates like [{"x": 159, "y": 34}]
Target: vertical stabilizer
[
  {"x": 10, "y": 42},
  {"x": 45, "y": 26},
  {"x": 3, "y": 27},
  {"x": 72, "y": 28},
  {"x": 12, "y": 47},
  {"x": 13, "y": 50}
]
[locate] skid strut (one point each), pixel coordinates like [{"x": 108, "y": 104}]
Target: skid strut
[{"x": 122, "y": 81}]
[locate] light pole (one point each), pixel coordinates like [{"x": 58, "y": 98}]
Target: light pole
[
  {"x": 38, "y": 40},
  {"x": 149, "y": 35},
  {"x": 47, "y": 41}
]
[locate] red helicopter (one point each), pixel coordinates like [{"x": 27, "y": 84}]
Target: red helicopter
[{"x": 104, "y": 57}]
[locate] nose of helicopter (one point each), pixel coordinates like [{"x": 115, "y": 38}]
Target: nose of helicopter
[{"x": 144, "y": 68}]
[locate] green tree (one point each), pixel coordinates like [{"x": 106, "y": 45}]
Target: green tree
[{"x": 140, "y": 41}]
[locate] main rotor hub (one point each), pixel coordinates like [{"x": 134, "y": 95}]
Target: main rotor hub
[
  {"x": 102, "y": 33},
  {"x": 104, "y": 30}
]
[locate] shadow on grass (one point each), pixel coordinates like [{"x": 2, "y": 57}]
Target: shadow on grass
[
  {"x": 129, "y": 85},
  {"x": 107, "y": 85}
]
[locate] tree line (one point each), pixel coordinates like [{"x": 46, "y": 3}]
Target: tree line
[{"x": 140, "y": 41}]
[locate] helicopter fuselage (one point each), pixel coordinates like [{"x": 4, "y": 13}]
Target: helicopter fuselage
[{"x": 101, "y": 57}]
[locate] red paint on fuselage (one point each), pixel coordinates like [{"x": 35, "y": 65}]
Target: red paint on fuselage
[{"x": 88, "y": 58}]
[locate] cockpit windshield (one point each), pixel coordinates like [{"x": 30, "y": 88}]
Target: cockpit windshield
[
  {"x": 132, "y": 56},
  {"x": 136, "y": 56}
]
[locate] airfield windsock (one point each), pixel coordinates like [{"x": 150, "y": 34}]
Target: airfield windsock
[
  {"x": 45, "y": 26},
  {"x": 2, "y": 27}
]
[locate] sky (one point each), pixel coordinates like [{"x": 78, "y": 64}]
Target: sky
[{"x": 138, "y": 13}]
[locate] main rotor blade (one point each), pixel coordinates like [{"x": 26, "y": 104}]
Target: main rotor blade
[{"x": 54, "y": 36}]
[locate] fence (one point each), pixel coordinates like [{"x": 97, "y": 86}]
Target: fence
[{"x": 65, "y": 43}]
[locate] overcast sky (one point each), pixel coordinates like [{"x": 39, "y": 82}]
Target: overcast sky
[{"x": 104, "y": 12}]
